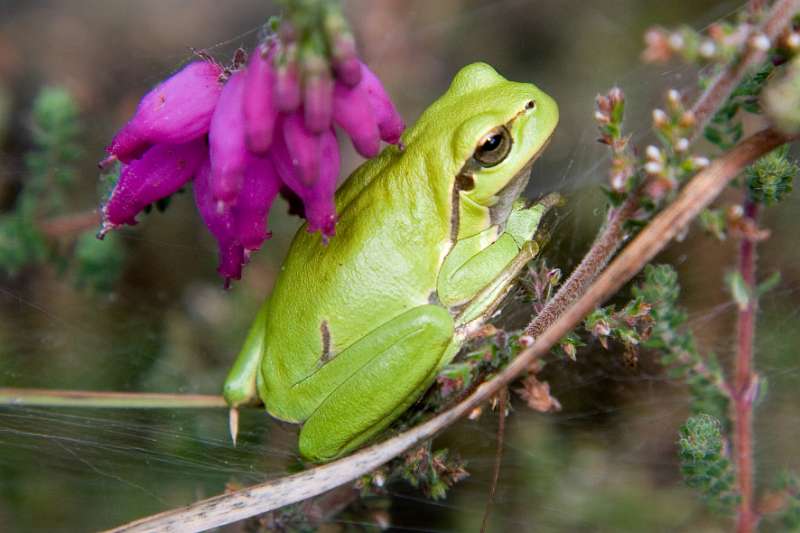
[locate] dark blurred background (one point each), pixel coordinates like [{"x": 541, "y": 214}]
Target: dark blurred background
[{"x": 607, "y": 462}]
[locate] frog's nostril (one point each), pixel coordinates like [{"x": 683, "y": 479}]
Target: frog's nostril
[{"x": 530, "y": 105}]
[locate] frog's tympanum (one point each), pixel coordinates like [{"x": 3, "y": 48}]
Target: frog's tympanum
[{"x": 429, "y": 239}]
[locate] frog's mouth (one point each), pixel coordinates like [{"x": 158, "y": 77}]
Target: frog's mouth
[{"x": 501, "y": 210}]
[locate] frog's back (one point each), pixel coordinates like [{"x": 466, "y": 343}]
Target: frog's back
[{"x": 383, "y": 261}]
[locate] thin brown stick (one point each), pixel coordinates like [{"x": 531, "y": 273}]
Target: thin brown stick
[
  {"x": 744, "y": 379},
  {"x": 699, "y": 193},
  {"x": 115, "y": 400},
  {"x": 72, "y": 224},
  {"x": 603, "y": 249},
  {"x": 717, "y": 92},
  {"x": 502, "y": 404}
]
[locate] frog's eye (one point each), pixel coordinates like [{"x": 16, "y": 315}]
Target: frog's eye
[{"x": 494, "y": 147}]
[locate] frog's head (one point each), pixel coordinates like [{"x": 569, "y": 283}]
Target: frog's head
[{"x": 490, "y": 131}]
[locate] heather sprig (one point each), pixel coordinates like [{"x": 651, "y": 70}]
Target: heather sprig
[
  {"x": 244, "y": 133},
  {"x": 705, "y": 464},
  {"x": 434, "y": 472},
  {"x": 769, "y": 180},
  {"x": 670, "y": 336},
  {"x": 50, "y": 171}
]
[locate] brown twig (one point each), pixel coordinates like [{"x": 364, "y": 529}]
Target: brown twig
[
  {"x": 718, "y": 91},
  {"x": 604, "y": 247},
  {"x": 745, "y": 383},
  {"x": 115, "y": 400},
  {"x": 699, "y": 193},
  {"x": 72, "y": 224}
]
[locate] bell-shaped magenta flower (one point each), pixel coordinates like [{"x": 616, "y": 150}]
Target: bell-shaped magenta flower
[
  {"x": 176, "y": 111},
  {"x": 160, "y": 172},
  {"x": 227, "y": 143},
  {"x": 303, "y": 147},
  {"x": 221, "y": 225},
  {"x": 260, "y": 187},
  {"x": 318, "y": 198},
  {"x": 357, "y": 119},
  {"x": 345, "y": 59},
  {"x": 317, "y": 94},
  {"x": 390, "y": 123},
  {"x": 260, "y": 110},
  {"x": 287, "y": 80}
]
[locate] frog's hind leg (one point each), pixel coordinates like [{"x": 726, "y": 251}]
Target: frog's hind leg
[{"x": 385, "y": 372}]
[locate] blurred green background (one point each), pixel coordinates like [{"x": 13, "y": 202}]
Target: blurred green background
[{"x": 607, "y": 462}]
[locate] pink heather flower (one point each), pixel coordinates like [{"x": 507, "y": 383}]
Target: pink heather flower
[
  {"x": 317, "y": 95},
  {"x": 226, "y": 139},
  {"x": 345, "y": 60},
  {"x": 356, "y": 119},
  {"x": 260, "y": 111},
  {"x": 390, "y": 123},
  {"x": 161, "y": 171},
  {"x": 220, "y": 224},
  {"x": 260, "y": 187},
  {"x": 287, "y": 80},
  {"x": 176, "y": 111},
  {"x": 317, "y": 198},
  {"x": 303, "y": 147},
  {"x": 262, "y": 132}
]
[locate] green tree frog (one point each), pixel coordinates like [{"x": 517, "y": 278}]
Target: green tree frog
[{"x": 430, "y": 238}]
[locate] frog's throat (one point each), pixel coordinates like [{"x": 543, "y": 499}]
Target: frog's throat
[{"x": 501, "y": 210}]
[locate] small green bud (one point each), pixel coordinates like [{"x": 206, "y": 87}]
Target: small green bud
[{"x": 770, "y": 178}]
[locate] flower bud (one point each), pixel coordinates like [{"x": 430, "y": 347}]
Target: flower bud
[
  {"x": 303, "y": 148},
  {"x": 227, "y": 145},
  {"x": 176, "y": 111},
  {"x": 660, "y": 118},
  {"x": 259, "y": 189},
  {"x": 260, "y": 111},
  {"x": 343, "y": 48},
  {"x": 318, "y": 197},
  {"x": 317, "y": 93},
  {"x": 390, "y": 123},
  {"x": 160, "y": 172},
  {"x": 220, "y": 224},
  {"x": 357, "y": 119},
  {"x": 287, "y": 80},
  {"x": 760, "y": 42},
  {"x": 653, "y": 167}
]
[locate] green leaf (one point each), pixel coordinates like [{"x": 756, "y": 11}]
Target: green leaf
[
  {"x": 768, "y": 284},
  {"x": 704, "y": 462},
  {"x": 739, "y": 289}
]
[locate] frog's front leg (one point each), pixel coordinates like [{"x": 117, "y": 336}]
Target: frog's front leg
[
  {"x": 476, "y": 262},
  {"x": 370, "y": 383}
]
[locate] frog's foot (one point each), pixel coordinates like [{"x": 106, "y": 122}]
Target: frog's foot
[
  {"x": 384, "y": 373},
  {"x": 523, "y": 222}
]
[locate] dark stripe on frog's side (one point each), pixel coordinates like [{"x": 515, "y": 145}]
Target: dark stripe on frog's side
[{"x": 325, "y": 332}]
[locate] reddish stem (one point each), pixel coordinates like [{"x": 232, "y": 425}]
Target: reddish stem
[{"x": 745, "y": 383}]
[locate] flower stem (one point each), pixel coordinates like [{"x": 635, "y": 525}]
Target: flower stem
[
  {"x": 114, "y": 400},
  {"x": 745, "y": 383}
]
